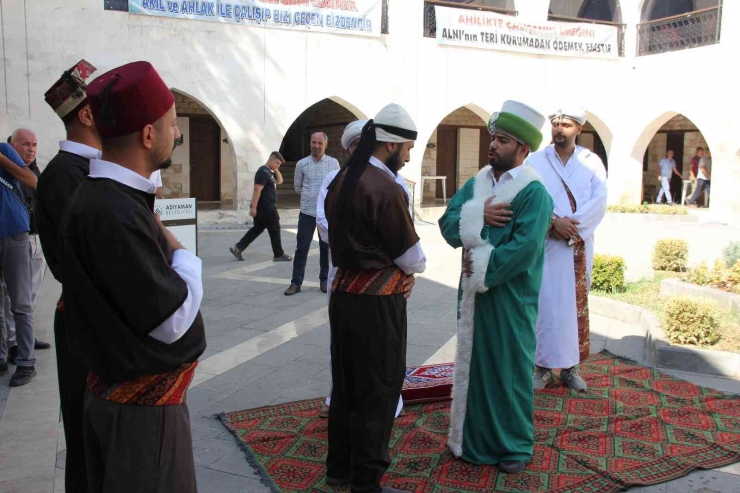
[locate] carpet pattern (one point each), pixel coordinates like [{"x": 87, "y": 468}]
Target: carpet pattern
[{"x": 635, "y": 426}]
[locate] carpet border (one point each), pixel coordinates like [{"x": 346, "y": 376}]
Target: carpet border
[{"x": 257, "y": 468}]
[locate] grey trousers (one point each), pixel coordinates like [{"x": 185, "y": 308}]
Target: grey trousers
[
  {"x": 15, "y": 269},
  {"x": 38, "y": 271},
  {"x": 142, "y": 449}
]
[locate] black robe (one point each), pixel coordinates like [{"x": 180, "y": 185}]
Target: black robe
[
  {"x": 119, "y": 284},
  {"x": 56, "y": 186}
]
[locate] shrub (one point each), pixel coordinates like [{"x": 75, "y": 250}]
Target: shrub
[
  {"x": 691, "y": 321},
  {"x": 699, "y": 275},
  {"x": 672, "y": 255},
  {"x": 608, "y": 273},
  {"x": 647, "y": 209},
  {"x": 731, "y": 253}
]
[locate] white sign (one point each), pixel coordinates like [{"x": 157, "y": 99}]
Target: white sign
[
  {"x": 175, "y": 209},
  {"x": 187, "y": 235},
  {"x": 357, "y": 17},
  {"x": 479, "y": 29}
]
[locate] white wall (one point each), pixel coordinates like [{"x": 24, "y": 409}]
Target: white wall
[{"x": 256, "y": 81}]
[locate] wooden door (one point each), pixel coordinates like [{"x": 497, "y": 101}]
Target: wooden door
[
  {"x": 675, "y": 142},
  {"x": 205, "y": 159},
  {"x": 447, "y": 159},
  {"x": 485, "y": 142}
]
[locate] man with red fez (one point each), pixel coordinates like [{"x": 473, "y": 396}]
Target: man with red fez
[
  {"x": 57, "y": 185},
  {"x": 132, "y": 295},
  {"x": 375, "y": 248}
]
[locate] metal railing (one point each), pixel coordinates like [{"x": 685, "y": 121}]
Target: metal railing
[
  {"x": 430, "y": 18},
  {"x": 621, "y": 28},
  {"x": 680, "y": 32}
]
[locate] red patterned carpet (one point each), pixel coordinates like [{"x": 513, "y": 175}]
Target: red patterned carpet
[{"x": 635, "y": 426}]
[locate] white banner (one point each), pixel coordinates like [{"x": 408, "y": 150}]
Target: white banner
[
  {"x": 480, "y": 29},
  {"x": 356, "y": 17},
  {"x": 175, "y": 209}
]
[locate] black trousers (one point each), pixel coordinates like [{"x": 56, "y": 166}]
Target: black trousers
[
  {"x": 146, "y": 449},
  {"x": 269, "y": 221},
  {"x": 72, "y": 376},
  {"x": 368, "y": 363}
]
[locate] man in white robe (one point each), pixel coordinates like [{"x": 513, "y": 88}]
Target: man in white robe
[
  {"x": 576, "y": 180},
  {"x": 350, "y": 140}
]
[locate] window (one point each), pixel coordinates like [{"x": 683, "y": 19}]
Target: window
[
  {"x": 597, "y": 10},
  {"x": 659, "y": 9}
]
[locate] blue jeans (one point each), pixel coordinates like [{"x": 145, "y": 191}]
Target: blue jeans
[
  {"x": 16, "y": 270},
  {"x": 700, "y": 185},
  {"x": 306, "y": 229}
]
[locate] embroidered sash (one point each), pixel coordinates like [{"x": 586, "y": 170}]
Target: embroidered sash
[
  {"x": 383, "y": 282},
  {"x": 166, "y": 389}
]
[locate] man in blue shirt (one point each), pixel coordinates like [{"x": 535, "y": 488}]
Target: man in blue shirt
[
  {"x": 666, "y": 167},
  {"x": 15, "y": 262}
]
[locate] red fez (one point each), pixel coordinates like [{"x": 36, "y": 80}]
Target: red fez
[{"x": 128, "y": 98}]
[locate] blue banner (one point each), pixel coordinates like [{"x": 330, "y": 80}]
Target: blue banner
[{"x": 355, "y": 17}]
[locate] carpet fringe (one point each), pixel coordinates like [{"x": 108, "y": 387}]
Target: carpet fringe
[{"x": 259, "y": 471}]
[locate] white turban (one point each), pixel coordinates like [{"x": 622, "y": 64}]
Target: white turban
[
  {"x": 352, "y": 132},
  {"x": 394, "y": 116},
  {"x": 575, "y": 113}
]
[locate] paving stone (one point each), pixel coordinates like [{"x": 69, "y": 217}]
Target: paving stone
[
  {"x": 234, "y": 462},
  {"x": 231, "y": 338},
  {"x": 199, "y": 399},
  {"x": 62, "y": 459},
  {"x": 283, "y": 354},
  {"x": 202, "y": 432},
  {"x": 208, "y": 451},
  {"x": 210, "y": 481},
  {"x": 237, "y": 378}
]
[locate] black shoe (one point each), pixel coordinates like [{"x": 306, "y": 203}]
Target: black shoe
[
  {"x": 323, "y": 287},
  {"x": 3, "y": 368},
  {"x": 236, "y": 253},
  {"x": 283, "y": 258},
  {"x": 40, "y": 344},
  {"x": 22, "y": 375},
  {"x": 511, "y": 466},
  {"x": 336, "y": 482},
  {"x": 12, "y": 354},
  {"x": 293, "y": 289}
]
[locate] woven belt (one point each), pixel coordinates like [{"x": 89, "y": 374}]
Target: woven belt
[
  {"x": 166, "y": 389},
  {"x": 384, "y": 282}
]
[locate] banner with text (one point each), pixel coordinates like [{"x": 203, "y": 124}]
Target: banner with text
[
  {"x": 479, "y": 29},
  {"x": 357, "y": 17}
]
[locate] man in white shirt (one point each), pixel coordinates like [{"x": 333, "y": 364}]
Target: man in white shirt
[{"x": 703, "y": 178}]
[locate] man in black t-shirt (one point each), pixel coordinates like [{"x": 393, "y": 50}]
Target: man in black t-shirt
[{"x": 264, "y": 210}]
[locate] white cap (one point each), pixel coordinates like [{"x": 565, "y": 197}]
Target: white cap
[
  {"x": 394, "y": 115},
  {"x": 572, "y": 112},
  {"x": 352, "y": 132}
]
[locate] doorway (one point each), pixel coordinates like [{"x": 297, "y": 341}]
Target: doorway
[{"x": 205, "y": 159}]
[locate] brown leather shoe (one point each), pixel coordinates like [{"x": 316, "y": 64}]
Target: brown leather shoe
[
  {"x": 324, "y": 412},
  {"x": 293, "y": 289}
]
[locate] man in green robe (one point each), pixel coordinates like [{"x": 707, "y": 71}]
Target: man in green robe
[{"x": 500, "y": 218}]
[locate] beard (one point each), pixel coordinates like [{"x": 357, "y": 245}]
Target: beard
[
  {"x": 564, "y": 141},
  {"x": 394, "y": 162},
  {"x": 165, "y": 164},
  {"x": 505, "y": 162}
]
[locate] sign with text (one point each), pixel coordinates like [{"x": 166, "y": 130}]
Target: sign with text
[
  {"x": 479, "y": 29},
  {"x": 357, "y": 17},
  {"x": 180, "y": 216}
]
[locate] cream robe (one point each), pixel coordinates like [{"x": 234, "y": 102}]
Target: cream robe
[{"x": 557, "y": 323}]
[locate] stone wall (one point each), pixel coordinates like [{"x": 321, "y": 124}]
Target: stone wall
[{"x": 468, "y": 154}]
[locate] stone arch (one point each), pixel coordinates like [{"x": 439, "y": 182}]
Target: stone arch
[
  {"x": 206, "y": 141},
  {"x": 329, "y": 115},
  {"x": 597, "y": 137},
  {"x": 671, "y": 130},
  {"x": 656, "y": 9},
  {"x": 456, "y": 149}
]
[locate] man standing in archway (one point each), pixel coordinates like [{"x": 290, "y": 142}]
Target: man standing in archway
[
  {"x": 309, "y": 175},
  {"x": 666, "y": 167},
  {"x": 576, "y": 179}
]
